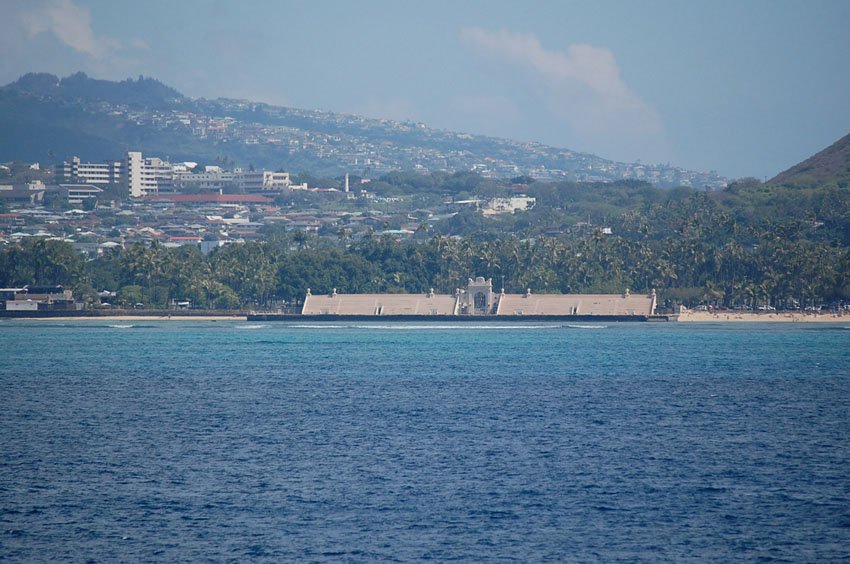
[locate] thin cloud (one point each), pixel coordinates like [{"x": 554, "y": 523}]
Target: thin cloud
[
  {"x": 139, "y": 43},
  {"x": 71, "y": 24},
  {"x": 583, "y": 87},
  {"x": 58, "y": 36}
]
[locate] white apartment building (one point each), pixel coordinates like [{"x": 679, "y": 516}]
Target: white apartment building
[
  {"x": 151, "y": 175},
  {"x": 99, "y": 174},
  {"x": 200, "y": 181},
  {"x": 261, "y": 180},
  {"x": 148, "y": 175}
]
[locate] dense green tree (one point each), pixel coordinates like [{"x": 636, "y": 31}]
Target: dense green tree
[
  {"x": 752, "y": 244},
  {"x": 37, "y": 261}
]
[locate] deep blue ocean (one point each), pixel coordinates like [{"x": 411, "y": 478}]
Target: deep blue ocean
[{"x": 140, "y": 441}]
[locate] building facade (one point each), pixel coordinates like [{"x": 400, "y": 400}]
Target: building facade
[
  {"x": 99, "y": 174},
  {"x": 146, "y": 176},
  {"x": 479, "y": 299},
  {"x": 37, "y": 298},
  {"x": 208, "y": 181},
  {"x": 261, "y": 181},
  {"x": 76, "y": 194}
]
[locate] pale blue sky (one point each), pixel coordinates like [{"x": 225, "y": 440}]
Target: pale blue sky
[{"x": 746, "y": 88}]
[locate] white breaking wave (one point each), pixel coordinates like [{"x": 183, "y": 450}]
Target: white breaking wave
[
  {"x": 588, "y": 326},
  {"x": 122, "y": 326},
  {"x": 251, "y": 326},
  {"x": 461, "y": 327},
  {"x": 402, "y": 327},
  {"x": 319, "y": 326}
]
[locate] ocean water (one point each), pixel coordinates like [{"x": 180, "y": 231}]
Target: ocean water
[{"x": 143, "y": 441}]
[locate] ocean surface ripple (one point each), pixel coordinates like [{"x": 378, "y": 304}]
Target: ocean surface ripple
[{"x": 200, "y": 440}]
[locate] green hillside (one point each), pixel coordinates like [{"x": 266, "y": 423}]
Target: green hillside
[{"x": 833, "y": 163}]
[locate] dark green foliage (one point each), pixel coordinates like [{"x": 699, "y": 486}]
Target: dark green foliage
[
  {"x": 42, "y": 262},
  {"x": 684, "y": 267},
  {"x": 752, "y": 244},
  {"x": 145, "y": 92},
  {"x": 322, "y": 270}
]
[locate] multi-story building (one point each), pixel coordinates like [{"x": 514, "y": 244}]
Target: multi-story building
[
  {"x": 99, "y": 174},
  {"x": 143, "y": 176},
  {"x": 32, "y": 193},
  {"x": 77, "y": 193},
  {"x": 203, "y": 181},
  {"x": 261, "y": 180},
  {"x": 149, "y": 175}
]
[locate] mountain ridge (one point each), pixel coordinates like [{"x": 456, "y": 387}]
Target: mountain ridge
[
  {"x": 134, "y": 92},
  {"x": 828, "y": 164},
  {"x": 79, "y": 115}
]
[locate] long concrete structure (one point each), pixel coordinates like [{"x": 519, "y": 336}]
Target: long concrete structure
[
  {"x": 478, "y": 299},
  {"x": 379, "y": 304}
]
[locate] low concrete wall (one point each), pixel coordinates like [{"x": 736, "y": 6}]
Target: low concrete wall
[
  {"x": 295, "y": 317},
  {"x": 454, "y": 318},
  {"x": 124, "y": 313}
]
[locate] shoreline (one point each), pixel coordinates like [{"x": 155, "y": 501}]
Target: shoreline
[
  {"x": 132, "y": 318},
  {"x": 753, "y": 317},
  {"x": 686, "y": 317}
]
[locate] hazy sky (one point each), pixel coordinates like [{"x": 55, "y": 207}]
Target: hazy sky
[{"x": 746, "y": 88}]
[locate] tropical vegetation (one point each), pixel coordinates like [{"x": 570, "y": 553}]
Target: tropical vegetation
[{"x": 749, "y": 245}]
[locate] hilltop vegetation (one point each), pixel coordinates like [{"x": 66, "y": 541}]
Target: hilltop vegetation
[
  {"x": 831, "y": 164},
  {"x": 636, "y": 209},
  {"x": 142, "y": 92}
]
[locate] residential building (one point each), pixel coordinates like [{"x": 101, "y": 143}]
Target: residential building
[
  {"x": 38, "y": 298},
  {"x": 143, "y": 176},
  {"x": 77, "y": 193},
  {"x": 261, "y": 180},
  {"x": 203, "y": 181},
  {"x": 109, "y": 172},
  {"x": 509, "y": 205},
  {"x": 146, "y": 176},
  {"x": 31, "y": 193}
]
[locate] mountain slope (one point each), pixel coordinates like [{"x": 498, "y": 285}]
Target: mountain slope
[
  {"x": 142, "y": 92},
  {"x": 47, "y": 119},
  {"x": 829, "y": 164}
]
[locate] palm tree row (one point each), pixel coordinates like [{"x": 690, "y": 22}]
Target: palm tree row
[{"x": 684, "y": 269}]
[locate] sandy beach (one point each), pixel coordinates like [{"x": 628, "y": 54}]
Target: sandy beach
[{"x": 753, "y": 317}]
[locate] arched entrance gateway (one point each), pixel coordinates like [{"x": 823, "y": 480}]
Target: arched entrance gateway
[{"x": 479, "y": 297}]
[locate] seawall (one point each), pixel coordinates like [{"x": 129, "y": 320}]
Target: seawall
[
  {"x": 124, "y": 313},
  {"x": 455, "y": 318}
]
